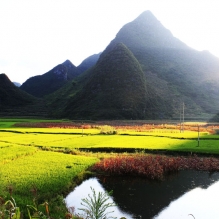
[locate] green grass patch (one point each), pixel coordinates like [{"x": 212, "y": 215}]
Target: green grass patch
[
  {"x": 24, "y": 168},
  {"x": 204, "y": 146},
  {"x": 49, "y": 171},
  {"x": 9, "y": 122}
]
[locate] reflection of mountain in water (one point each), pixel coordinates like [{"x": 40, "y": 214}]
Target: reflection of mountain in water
[
  {"x": 74, "y": 199},
  {"x": 148, "y": 198},
  {"x": 199, "y": 203}
]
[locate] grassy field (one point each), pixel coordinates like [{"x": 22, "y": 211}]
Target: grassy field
[
  {"x": 165, "y": 137},
  {"x": 29, "y": 149},
  {"x": 24, "y": 168}
]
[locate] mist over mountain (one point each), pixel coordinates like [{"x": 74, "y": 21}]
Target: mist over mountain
[
  {"x": 144, "y": 73},
  {"x": 175, "y": 73},
  {"x": 16, "y": 84},
  {"x": 146, "y": 32}
]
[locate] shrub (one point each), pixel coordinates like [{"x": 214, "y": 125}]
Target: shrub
[{"x": 108, "y": 130}]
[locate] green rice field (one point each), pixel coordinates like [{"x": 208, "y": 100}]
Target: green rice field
[{"x": 32, "y": 156}]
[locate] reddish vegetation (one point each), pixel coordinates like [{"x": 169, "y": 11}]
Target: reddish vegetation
[
  {"x": 153, "y": 167},
  {"x": 67, "y": 125},
  {"x": 121, "y": 125}
]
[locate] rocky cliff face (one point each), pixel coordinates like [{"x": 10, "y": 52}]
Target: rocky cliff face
[
  {"x": 42, "y": 85},
  {"x": 61, "y": 72},
  {"x": 51, "y": 81}
]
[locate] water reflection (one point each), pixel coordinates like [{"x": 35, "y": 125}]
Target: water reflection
[
  {"x": 82, "y": 191},
  {"x": 177, "y": 196},
  {"x": 201, "y": 203}
]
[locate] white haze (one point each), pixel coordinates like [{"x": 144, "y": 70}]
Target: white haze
[{"x": 36, "y": 35}]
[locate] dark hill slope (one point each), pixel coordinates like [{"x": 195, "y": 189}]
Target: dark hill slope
[
  {"x": 175, "y": 73},
  {"x": 60, "y": 98},
  {"x": 11, "y": 95},
  {"x": 15, "y": 102},
  {"x": 116, "y": 89},
  {"x": 51, "y": 81}
]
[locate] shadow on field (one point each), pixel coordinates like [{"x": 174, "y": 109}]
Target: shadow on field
[{"x": 205, "y": 147}]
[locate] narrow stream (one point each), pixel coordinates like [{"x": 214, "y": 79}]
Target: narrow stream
[{"x": 179, "y": 196}]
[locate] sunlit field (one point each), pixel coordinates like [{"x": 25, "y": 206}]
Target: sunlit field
[
  {"x": 59, "y": 134},
  {"x": 25, "y": 168},
  {"x": 49, "y": 155}
]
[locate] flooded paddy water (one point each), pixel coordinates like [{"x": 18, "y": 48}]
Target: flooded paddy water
[{"x": 181, "y": 195}]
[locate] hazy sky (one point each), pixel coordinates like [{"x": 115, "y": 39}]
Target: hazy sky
[{"x": 36, "y": 35}]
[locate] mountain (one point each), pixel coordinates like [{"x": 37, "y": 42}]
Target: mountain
[
  {"x": 17, "y": 84},
  {"x": 51, "y": 81},
  {"x": 16, "y": 102},
  {"x": 146, "y": 32},
  {"x": 11, "y": 95},
  {"x": 42, "y": 85},
  {"x": 115, "y": 89},
  {"x": 144, "y": 73},
  {"x": 88, "y": 63},
  {"x": 175, "y": 73}
]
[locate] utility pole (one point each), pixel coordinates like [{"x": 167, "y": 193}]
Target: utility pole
[
  {"x": 183, "y": 106},
  {"x": 180, "y": 119}
]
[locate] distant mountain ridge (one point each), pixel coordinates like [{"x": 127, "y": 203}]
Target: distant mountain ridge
[
  {"x": 51, "y": 81},
  {"x": 144, "y": 73},
  {"x": 17, "y": 84},
  {"x": 88, "y": 63}
]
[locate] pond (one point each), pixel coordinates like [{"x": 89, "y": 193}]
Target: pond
[{"x": 181, "y": 195}]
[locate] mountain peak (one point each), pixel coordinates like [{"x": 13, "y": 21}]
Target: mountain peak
[
  {"x": 147, "y": 16},
  {"x": 4, "y": 80},
  {"x": 146, "y": 32},
  {"x": 50, "y": 81},
  {"x": 68, "y": 64},
  {"x": 3, "y": 75},
  {"x": 10, "y": 95}
]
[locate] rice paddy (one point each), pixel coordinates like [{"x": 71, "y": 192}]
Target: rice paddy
[{"x": 29, "y": 150}]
